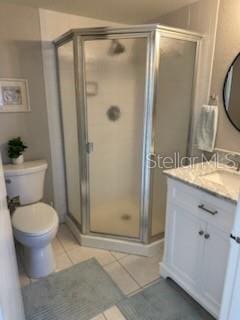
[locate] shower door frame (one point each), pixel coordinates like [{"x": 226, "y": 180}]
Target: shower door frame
[
  {"x": 153, "y": 34},
  {"x": 143, "y": 212}
]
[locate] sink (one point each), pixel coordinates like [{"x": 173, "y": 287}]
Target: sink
[{"x": 227, "y": 178}]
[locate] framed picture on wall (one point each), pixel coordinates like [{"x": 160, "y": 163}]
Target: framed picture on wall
[{"x": 14, "y": 95}]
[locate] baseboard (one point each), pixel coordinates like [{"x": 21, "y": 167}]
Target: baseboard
[{"x": 129, "y": 247}]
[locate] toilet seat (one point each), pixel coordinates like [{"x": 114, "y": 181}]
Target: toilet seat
[{"x": 35, "y": 219}]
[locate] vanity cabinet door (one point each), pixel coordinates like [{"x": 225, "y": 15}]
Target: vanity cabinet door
[
  {"x": 215, "y": 257},
  {"x": 186, "y": 245},
  {"x": 197, "y": 243}
]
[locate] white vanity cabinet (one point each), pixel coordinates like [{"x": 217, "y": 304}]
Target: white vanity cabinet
[{"x": 197, "y": 242}]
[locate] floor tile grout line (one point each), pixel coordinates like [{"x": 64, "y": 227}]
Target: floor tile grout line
[
  {"x": 112, "y": 255},
  {"x": 152, "y": 282},
  {"x": 117, "y": 259},
  {"x": 60, "y": 242},
  {"x": 107, "y": 264},
  {"x": 135, "y": 292},
  {"x": 104, "y": 315},
  {"x": 73, "y": 262},
  {"x": 65, "y": 251},
  {"x": 103, "y": 265},
  {"x": 140, "y": 285},
  {"x": 127, "y": 255},
  {"x": 131, "y": 276}
]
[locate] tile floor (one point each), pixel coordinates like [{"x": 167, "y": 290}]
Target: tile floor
[{"x": 130, "y": 272}]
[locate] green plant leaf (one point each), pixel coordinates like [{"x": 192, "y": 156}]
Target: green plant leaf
[{"x": 16, "y": 147}]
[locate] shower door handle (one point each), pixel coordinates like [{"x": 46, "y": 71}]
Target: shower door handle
[{"x": 89, "y": 147}]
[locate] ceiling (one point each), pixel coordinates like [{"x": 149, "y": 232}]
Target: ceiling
[{"x": 125, "y": 11}]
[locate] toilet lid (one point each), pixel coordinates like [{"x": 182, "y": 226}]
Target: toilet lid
[{"x": 35, "y": 219}]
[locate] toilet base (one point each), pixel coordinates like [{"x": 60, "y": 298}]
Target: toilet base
[{"x": 39, "y": 262}]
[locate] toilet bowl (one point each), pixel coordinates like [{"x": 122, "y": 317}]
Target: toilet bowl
[
  {"x": 35, "y": 226},
  {"x": 35, "y": 223}
]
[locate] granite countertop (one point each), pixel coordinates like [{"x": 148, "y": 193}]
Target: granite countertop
[{"x": 196, "y": 176}]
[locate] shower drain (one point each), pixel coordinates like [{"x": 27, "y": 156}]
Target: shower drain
[{"x": 126, "y": 216}]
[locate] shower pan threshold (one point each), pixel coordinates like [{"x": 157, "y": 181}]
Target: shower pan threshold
[{"x": 125, "y": 246}]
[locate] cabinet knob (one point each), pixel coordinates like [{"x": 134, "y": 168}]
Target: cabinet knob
[
  {"x": 207, "y": 236},
  {"x": 201, "y": 232}
]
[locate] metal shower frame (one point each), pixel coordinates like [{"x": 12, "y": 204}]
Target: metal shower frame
[{"x": 153, "y": 35}]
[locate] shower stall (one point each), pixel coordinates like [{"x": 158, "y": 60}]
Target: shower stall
[{"x": 126, "y": 104}]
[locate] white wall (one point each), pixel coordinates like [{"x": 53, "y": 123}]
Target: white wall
[
  {"x": 53, "y": 24},
  {"x": 20, "y": 57},
  {"x": 222, "y": 46}
]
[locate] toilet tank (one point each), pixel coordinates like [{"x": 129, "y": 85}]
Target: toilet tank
[{"x": 26, "y": 180}]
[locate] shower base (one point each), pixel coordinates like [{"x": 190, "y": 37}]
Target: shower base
[
  {"x": 116, "y": 217},
  {"x": 107, "y": 243}
]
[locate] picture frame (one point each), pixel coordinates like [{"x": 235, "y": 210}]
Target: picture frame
[{"x": 14, "y": 95}]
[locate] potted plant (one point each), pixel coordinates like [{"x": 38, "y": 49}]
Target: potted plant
[{"x": 15, "y": 150}]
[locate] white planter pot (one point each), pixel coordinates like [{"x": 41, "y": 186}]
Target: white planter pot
[{"x": 18, "y": 160}]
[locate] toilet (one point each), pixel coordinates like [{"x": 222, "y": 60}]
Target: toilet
[{"x": 35, "y": 223}]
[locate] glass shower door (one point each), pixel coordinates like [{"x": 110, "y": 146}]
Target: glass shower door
[{"x": 115, "y": 94}]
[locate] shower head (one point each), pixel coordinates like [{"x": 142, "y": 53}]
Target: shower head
[{"x": 116, "y": 47}]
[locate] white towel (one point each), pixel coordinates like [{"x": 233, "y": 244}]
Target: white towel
[{"x": 207, "y": 128}]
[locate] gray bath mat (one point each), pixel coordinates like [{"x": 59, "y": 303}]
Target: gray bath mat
[
  {"x": 78, "y": 293},
  {"x": 162, "y": 301}
]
